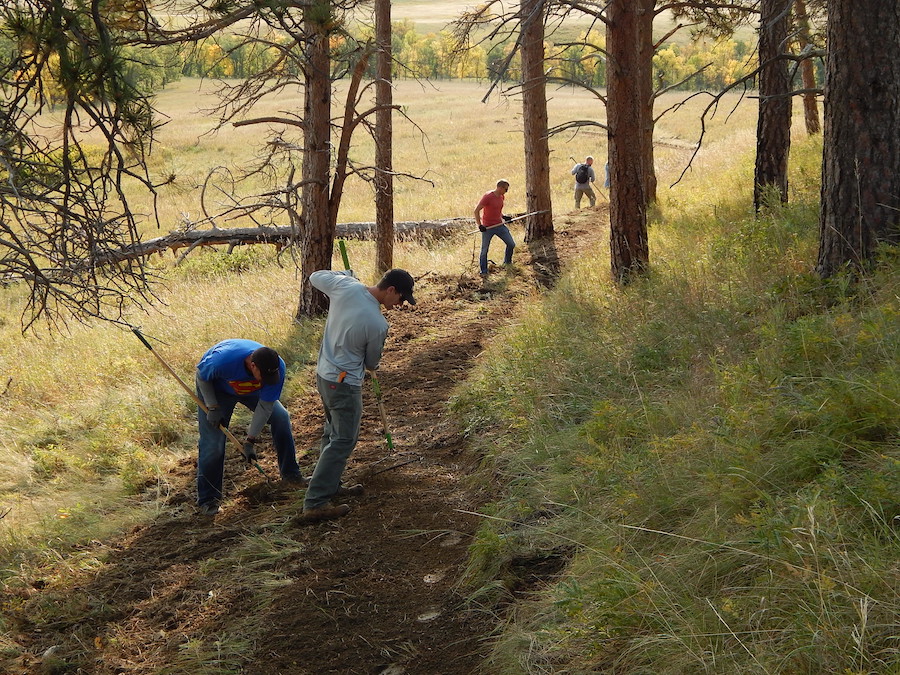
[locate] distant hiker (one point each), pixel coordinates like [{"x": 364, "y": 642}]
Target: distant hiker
[
  {"x": 231, "y": 372},
  {"x": 584, "y": 176},
  {"x": 606, "y": 180},
  {"x": 353, "y": 342},
  {"x": 491, "y": 222}
]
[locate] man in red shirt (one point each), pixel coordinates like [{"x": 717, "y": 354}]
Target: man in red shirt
[{"x": 489, "y": 218}]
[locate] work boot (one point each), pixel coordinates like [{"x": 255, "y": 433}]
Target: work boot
[
  {"x": 324, "y": 513},
  {"x": 296, "y": 481},
  {"x": 351, "y": 491},
  {"x": 209, "y": 508}
]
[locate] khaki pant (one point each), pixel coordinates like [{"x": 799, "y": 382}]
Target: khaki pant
[{"x": 581, "y": 190}]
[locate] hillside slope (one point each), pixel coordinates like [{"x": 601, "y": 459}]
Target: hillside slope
[{"x": 254, "y": 592}]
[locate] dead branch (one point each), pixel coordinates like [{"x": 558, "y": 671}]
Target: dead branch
[
  {"x": 415, "y": 458},
  {"x": 280, "y": 237},
  {"x": 575, "y": 124}
]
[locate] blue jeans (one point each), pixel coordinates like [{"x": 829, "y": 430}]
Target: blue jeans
[
  {"x": 211, "y": 460},
  {"x": 505, "y": 235},
  {"x": 343, "y": 415}
]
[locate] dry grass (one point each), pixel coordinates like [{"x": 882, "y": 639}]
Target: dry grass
[{"x": 458, "y": 147}]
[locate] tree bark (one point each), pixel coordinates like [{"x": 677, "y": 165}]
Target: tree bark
[
  {"x": 384, "y": 180},
  {"x": 534, "y": 113},
  {"x": 860, "y": 177},
  {"x": 646, "y": 51},
  {"x": 773, "y": 129},
  {"x": 629, "y": 253},
  {"x": 318, "y": 235},
  {"x": 807, "y": 71}
]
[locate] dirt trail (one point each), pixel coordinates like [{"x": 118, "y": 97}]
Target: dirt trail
[{"x": 374, "y": 592}]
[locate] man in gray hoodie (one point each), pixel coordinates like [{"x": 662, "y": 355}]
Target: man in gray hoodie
[{"x": 354, "y": 337}]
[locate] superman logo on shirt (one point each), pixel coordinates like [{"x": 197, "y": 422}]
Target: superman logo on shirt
[{"x": 244, "y": 387}]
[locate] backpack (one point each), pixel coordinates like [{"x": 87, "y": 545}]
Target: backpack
[{"x": 582, "y": 174}]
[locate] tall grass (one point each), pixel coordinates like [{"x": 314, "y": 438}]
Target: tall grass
[{"x": 714, "y": 450}]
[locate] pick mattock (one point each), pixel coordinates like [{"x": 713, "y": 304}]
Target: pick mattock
[
  {"x": 375, "y": 386},
  {"x": 377, "y": 389},
  {"x": 512, "y": 220},
  {"x": 194, "y": 396}
]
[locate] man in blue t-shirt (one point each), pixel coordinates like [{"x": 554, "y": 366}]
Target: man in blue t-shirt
[{"x": 231, "y": 372}]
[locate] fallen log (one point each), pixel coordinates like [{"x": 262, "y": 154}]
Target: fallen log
[{"x": 280, "y": 237}]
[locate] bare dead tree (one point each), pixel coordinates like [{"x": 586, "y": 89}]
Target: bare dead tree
[
  {"x": 63, "y": 203},
  {"x": 62, "y": 209},
  {"x": 313, "y": 51}
]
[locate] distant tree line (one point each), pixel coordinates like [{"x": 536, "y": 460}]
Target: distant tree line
[
  {"x": 437, "y": 56},
  {"x": 695, "y": 66}
]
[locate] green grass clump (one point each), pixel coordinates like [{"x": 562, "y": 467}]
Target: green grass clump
[{"x": 714, "y": 451}]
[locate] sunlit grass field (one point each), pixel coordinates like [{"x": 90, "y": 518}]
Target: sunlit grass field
[
  {"x": 711, "y": 455},
  {"x": 455, "y": 144},
  {"x": 431, "y": 16}
]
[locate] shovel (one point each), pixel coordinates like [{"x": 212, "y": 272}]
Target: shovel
[{"x": 194, "y": 396}]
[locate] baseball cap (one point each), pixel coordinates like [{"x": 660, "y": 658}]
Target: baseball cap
[
  {"x": 269, "y": 364},
  {"x": 402, "y": 281}
]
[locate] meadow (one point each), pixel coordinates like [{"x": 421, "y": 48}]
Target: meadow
[
  {"x": 453, "y": 146},
  {"x": 711, "y": 452}
]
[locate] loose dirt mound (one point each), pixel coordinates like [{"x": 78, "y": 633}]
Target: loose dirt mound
[{"x": 374, "y": 592}]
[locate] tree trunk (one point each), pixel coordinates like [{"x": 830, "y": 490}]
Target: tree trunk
[
  {"x": 773, "y": 129},
  {"x": 860, "y": 180},
  {"x": 807, "y": 71},
  {"x": 629, "y": 253},
  {"x": 534, "y": 113},
  {"x": 384, "y": 180},
  {"x": 646, "y": 51},
  {"x": 318, "y": 235},
  {"x": 348, "y": 125}
]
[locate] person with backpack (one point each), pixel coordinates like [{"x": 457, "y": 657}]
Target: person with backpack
[{"x": 584, "y": 176}]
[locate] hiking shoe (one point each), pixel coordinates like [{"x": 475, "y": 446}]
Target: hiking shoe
[
  {"x": 296, "y": 481},
  {"x": 208, "y": 509},
  {"x": 324, "y": 513},
  {"x": 351, "y": 491}
]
